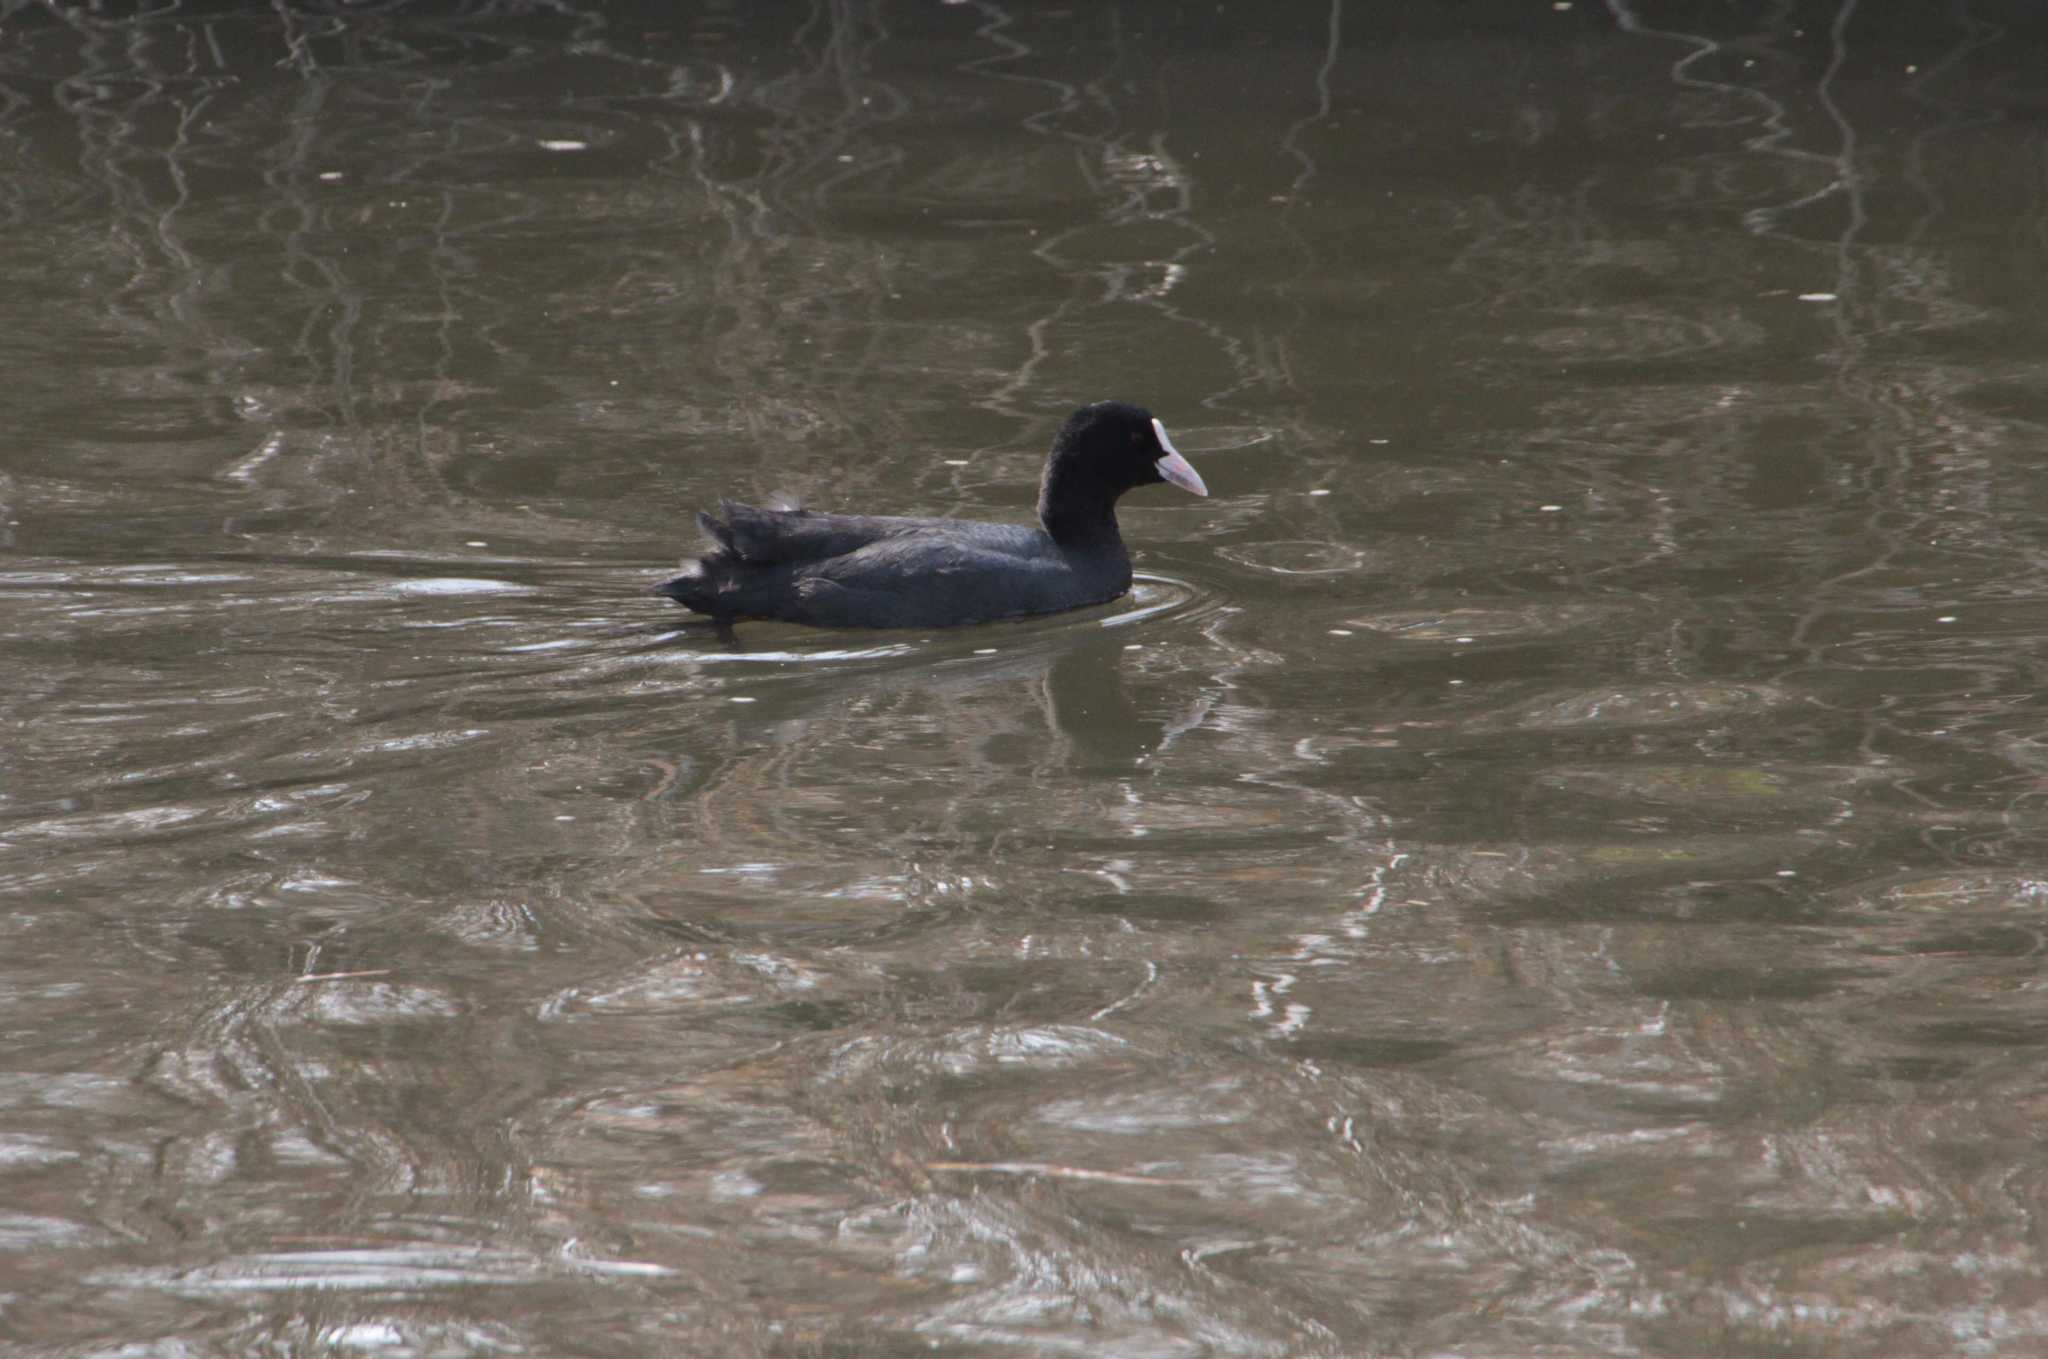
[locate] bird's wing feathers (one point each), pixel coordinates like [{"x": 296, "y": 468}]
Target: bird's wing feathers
[{"x": 768, "y": 537}]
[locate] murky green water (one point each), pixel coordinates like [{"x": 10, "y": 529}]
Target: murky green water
[{"x": 1551, "y": 860}]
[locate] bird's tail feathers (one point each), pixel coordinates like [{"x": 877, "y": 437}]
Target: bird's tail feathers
[{"x": 719, "y": 531}]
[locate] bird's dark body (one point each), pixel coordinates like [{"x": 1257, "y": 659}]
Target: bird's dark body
[{"x": 872, "y": 571}]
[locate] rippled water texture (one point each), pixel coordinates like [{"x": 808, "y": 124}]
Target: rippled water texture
[{"x": 1551, "y": 860}]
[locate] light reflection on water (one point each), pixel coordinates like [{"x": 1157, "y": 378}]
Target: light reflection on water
[{"x": 1546, "y": 860}]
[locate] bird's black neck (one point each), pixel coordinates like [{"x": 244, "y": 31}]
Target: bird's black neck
[{"x": 1079, "y": 517}]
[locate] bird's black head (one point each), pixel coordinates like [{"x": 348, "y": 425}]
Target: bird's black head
[{"x": 1102, "y": 451}]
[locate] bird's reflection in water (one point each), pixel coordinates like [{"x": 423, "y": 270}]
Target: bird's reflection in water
[{"x": 1089, "y": 706}]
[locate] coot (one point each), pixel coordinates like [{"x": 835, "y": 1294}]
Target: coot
[{"x": 865, "y": 571}]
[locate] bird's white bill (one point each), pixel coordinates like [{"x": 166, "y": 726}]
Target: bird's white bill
[{"x": 1174, "y": 467}]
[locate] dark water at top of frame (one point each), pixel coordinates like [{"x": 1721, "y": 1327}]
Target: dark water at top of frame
[{"x": 1551, "y": 860}]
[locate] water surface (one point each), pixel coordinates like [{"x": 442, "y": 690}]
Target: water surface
[{"x": 1550, "y": 860}]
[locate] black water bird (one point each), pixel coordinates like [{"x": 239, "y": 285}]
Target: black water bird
[{"x": 870, "y": 571}]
